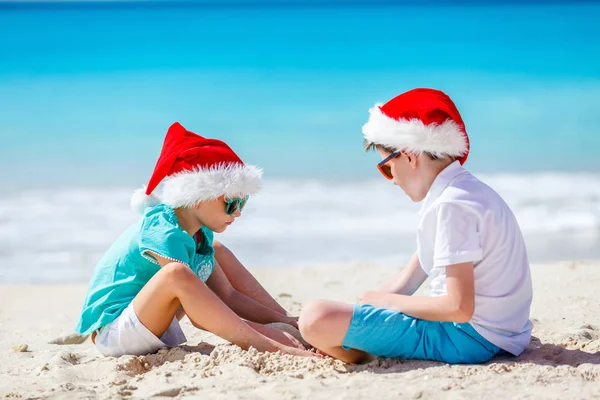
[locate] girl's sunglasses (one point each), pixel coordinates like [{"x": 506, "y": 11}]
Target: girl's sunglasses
[
  {"x": 234, "y": 204},
  {"x": 386, "y": 170}
]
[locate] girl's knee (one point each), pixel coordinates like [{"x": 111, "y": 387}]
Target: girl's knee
[
  {"x": 176, "y": 273},
  {"x": 217, "y": 246}
]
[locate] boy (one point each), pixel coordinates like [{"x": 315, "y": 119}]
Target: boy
[
  {"x": 164, "y": 266},
  {"x": 468, "y": 244}
]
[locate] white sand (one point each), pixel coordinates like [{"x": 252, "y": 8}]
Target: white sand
[{"x": 562, "y": 362}]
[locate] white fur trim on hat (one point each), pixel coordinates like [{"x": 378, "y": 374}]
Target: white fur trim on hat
[
  {"x": 412, "y": 135},
  {"x": 140, "y": 200},
  {"x": 188, "y": 188}
]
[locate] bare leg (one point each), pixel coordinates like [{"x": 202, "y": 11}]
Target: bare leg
[
  {"x": 176, "y": 284},
  {"x": 324, "y": 324},
  {"x": 242, "y": 280}
]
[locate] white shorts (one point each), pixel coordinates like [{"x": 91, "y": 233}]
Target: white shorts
[{"x": 127, "y": 335}]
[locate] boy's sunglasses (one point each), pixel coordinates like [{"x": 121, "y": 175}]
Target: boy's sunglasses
[
  {"x": 386, "y": 170},
  {"x": 234, "y": 204}
]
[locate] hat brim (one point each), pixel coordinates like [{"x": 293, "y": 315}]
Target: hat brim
[
  {"x": 412, "y": 135},
  {"x": 188, "y": 188}
]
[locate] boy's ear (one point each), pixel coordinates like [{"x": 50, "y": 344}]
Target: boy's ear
[{"x": 412, "y": 158}]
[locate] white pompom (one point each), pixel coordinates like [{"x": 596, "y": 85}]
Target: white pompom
[{"x": 140, "y": 200}]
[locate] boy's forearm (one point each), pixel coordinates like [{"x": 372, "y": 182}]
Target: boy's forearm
[
  {"x": 439, "y": 308},
  {"x": 408, "y": 280},
  {"x": 399, "y": 284}
]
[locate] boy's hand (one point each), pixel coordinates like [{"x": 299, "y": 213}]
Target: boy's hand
[{"x": 376, "y": 299}]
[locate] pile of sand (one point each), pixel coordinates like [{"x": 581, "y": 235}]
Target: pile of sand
[{"x": 42, "y": 360}]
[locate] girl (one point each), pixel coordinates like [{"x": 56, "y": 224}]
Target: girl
[{"x": 164, "y": 266}]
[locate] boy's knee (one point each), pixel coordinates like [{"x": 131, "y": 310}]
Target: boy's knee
[{"x": 312, "y": 317}]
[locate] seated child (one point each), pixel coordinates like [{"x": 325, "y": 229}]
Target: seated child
[
  {"x": 164, "y": 265},
  {"x": 468, "y": 243}
]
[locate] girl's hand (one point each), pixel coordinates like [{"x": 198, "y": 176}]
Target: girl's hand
[
  {"x": 293, "y": 321},
  {"x": 282, "y": 337}
]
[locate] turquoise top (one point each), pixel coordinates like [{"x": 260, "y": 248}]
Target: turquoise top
[{"x": 127, "y": 267}]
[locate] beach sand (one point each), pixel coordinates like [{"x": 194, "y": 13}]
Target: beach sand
[{"x": 562, "y": 361}]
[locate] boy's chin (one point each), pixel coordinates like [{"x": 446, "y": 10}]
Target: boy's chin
[{"x": 415, "y": 197}]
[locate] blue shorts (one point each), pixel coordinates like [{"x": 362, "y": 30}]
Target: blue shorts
[{"x": 388, "y": 333}]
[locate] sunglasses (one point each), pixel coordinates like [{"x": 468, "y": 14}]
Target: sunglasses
[
  {"x": 234, "y": 204},
  {"x": 386, "y": 170}
]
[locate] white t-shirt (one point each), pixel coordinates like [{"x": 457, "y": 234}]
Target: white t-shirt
[{"x": 464, "y": 220}]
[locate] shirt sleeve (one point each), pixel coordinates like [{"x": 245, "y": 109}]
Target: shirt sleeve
[
  {"x": 161, "y": 235},
  {"x": 457, "y": 237}
]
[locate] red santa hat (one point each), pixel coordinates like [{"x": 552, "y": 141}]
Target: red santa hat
[
  {"x": 192, "y": 169},
  {"x": 420, "y": 120}
]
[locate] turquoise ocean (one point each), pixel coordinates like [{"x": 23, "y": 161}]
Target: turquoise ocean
[{"x": 88, "y": 89}]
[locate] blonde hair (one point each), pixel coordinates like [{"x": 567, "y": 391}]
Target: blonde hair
[{"x": 368, "y": 146}]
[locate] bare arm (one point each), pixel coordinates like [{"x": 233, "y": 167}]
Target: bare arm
[
  {"x": 278, "y": 335},
  {"x": 242, "y": 280},
  {"x": 176, "y": 285},
  {"x": 241, "y": 304},
  {"x": 457, "y": 305},
  {"x": 408, "y": 280}
]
